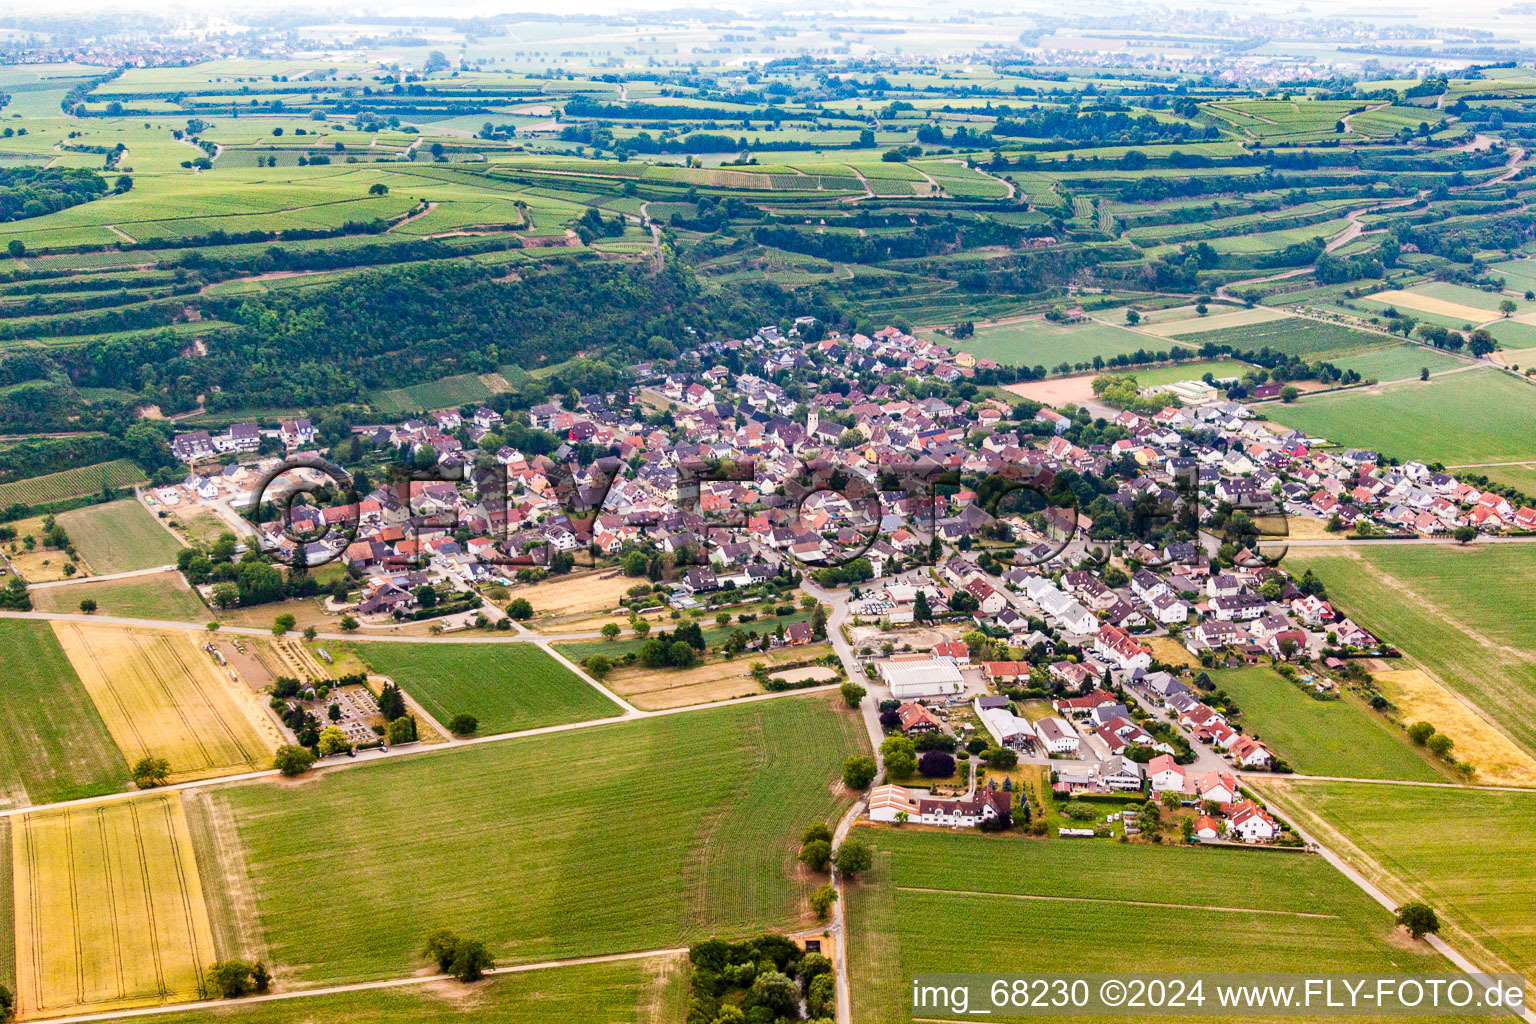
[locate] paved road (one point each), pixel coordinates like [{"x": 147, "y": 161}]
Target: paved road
[{"x": 869, "y": 708}]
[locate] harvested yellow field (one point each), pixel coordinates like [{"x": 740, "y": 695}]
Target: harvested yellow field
[
  {"x": 562, "y": 601},
  {"x": 1498, "y": 760},
  {"x": 160, "y": 694},
  {"x": 109, "y": 908},
  {"x": 657, "y": 689},
  {"x": 1440, "y": 307}
]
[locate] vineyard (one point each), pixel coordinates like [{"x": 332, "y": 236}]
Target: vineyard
[{"x": 70, "y": 483}]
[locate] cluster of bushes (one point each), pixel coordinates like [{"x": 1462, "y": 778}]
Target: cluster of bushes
[
  {"x": 1424, "y": 734},
  {"x": 759, "y": 981}
]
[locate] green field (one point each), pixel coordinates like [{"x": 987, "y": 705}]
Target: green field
[
  {"x": 119, "y": 536},
  {"x": 1479, "y": 416},
  {"x": 640, "y": 835},
  {"x": 1399, "y": 362},
  {"x": 53, "y": 743},
  {"x": 1464, "y": 614},
  {"x": 1153, "y": 376},
  {"x": 959, "y": 902},
  {"x": 70, "y": 483},
  {"x": 1469, "y": 857},
  {"x": 507, "y": 687},
  {"x": 641, "y": 991},
  {"x": 644, "y": 992},
  {"x": 165, "y": 596},
  {"x": 1336, "y": 737},
  {"x": 1042, "y": 343},
  {"x": 1514, "y": 334},
  {"x": 1292, "y": 336}
]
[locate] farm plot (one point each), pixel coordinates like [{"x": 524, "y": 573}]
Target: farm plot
[
  {"x": 1514, "y": 333},
  {"x": 1457, "y": 310},
  {"x": 507, "y": 687},
  {"x": 119, "y": 536},
  {"x": 1399, "y": 362},
  {"x": 562, "y": 605},
  {"x": 165, "y": 596},
  {"x": 1222, "y": 318},
  {"x": 939, "y": 901},
  {"x": 655, "y": 689},
  {"x": 637, "y": 835},
  {"x": 1464, "y": 616},
  {"x": 1293, "y": 336},
  {"x": 1469, "y": 858},
  {"x": 651, "y": 991},
  {"x": 70, "y": 483},
  {"x": 141, "y": 937},
  {"x": 1273, "y": 241},
  {"x": 162, "y": 696},
  {"x": 1335, "y": 737},
  {"x": 1431, "y": 421},
  {"x": 53, "y": 743},
  {"x": 1042, "y": 343},
  {"x": 1419, "y": 698}
]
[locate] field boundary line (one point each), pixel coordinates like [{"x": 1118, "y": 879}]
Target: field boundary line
[
  {"x": 1127, "y": 903},
  {"x": 364, "y": 986}
]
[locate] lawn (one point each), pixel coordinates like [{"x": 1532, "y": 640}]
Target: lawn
[
  {"x": 119, "y": 536},
  {"x": 1480, "y": 416},
  {"x": 1042, "y": 343},
  {"x": 960, "y": 902},
  {"x": 161, "y": 695},
  {"x": 1335, "y": 737},
  {"x": 1152, "y": 376},
  {"x": 1469, "y": 855},
  {"x": 1436, "y": 604},
  {"x": 53, "y": 743},
  {"x": 507, "y": 687},
  {"x": 639, "y": 835},
  {"x": 109, "y": 909},
  {"x": 643, "y": 991},
  {"x": 166, "y": 597}
]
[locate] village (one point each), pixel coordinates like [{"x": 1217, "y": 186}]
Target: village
[{"x": 1077, "y": 645}]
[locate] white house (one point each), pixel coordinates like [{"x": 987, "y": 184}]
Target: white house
[
  {"x": 1169, "y": 610},
  {"x": 1056, "y": 736},
  {"x": 1119, "y": 648},
  {"x": 1251, "y": 753},
  {"x": 1252, "y": 823},
  {"x": 1166, "y": 774}
]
